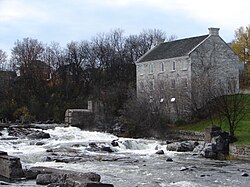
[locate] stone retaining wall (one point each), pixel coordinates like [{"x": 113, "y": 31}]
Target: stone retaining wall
[
  {"x": 185, "y": 135},
  {"x": 239, "y": 152}
]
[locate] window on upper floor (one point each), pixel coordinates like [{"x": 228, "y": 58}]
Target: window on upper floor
[
  {"x": 162, "y": 67},
  {"x": 173, "y": 66},
  {"x": 151, "y": 68},
  {"x": 140, "y": 69},
  {"x": 184, "y": 65}
]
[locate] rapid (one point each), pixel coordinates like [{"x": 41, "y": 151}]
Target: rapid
[{"x": 130, "y": 163}]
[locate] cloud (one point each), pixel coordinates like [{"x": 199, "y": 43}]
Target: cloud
[
  {"x": 16, "y": 10},
  {"x": 66, "y": 20},
  {"x": 220, "y": 12}
]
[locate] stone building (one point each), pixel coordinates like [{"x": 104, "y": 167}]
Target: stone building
[
  {"x": 36, "y": 67},
  {"x": 185, "y": 74},
  {"x": 7, "y": 75},
  {"x": 6, "y": 78}
]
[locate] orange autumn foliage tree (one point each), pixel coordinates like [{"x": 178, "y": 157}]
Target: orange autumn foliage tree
[{"x": 241, "y": 46}]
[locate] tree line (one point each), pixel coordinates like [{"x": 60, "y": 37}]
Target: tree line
[
  {"x": 241, "y": 46},
  {"x": 54, "y": 78}
]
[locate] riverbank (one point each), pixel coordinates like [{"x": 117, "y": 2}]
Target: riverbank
[
  {"x": 236, "y": 151},
  {"x": 242, "y": 131}
]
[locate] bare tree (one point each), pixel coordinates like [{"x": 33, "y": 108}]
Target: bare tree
[
  {"x": 215, "y": 91},
  {"x": 25, "y": 53},
  {"x": 207, "y": 77},
  {"x": 156, "y": 106},
  {"x": 138, "y": 45},
  {"x": 230, "y": 105},
  {"x": 3, "y": 58},
  {"x": 54, "y": 56},
  {"x": 78, "y": 53}
]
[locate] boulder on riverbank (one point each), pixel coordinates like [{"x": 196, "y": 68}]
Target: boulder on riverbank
[
  {"x": 11, "y": 167},
  {"x": 216, "y": 145},
  {"x": 185, "y": 146},
  {"x": 56, "y": 177}
]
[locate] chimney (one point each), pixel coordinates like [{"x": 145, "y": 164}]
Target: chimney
[
  {"x": 158, "y": 41},
  {"x": 213, "y": 31}
]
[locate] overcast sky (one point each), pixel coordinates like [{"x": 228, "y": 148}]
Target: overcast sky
[{"x": 66, "y": 20}]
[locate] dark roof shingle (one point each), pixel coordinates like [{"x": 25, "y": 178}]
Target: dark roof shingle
[{"x": 173, "y": 49}]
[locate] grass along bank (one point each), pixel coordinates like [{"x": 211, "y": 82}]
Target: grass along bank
[{"x": 242, "y": 131}]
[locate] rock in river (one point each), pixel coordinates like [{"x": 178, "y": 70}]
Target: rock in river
[
  {"x": 38, "y": 135},
  {"x": 169, "y": 159},
  {"x": 56, "y": 177},
  {"x": 160, "y": 152},
  {"x": 244, "y": 174},
  {"x": 184, "y": 146}
]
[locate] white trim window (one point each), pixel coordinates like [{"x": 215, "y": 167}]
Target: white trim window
[
  {"x": 151, "y": 68},
  {"x": 140, "y": 69},
  {"x": 184, "y": 65},
  {"x": 173, "y": 66}
]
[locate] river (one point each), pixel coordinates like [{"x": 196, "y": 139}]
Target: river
[{"x": 132, "y": 163}]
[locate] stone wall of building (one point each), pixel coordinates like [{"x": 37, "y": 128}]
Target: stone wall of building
[
  {"x": 167, "y": 82},
  {"x": 152, "y": 74},
  {"x": 239, "y": 152},
  {"x": 82, "y": 118},
  {"x": 214, "y": 68}
]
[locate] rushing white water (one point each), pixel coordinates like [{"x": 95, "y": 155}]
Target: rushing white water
[{"x": 132, "y": 163}]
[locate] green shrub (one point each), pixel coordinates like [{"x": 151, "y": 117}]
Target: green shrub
[{"x": 23, "y": 114}]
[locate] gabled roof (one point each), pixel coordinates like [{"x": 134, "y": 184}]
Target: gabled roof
[
  {"x": 177, "y": 48},
  {"x": 7, "y": 75}
]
